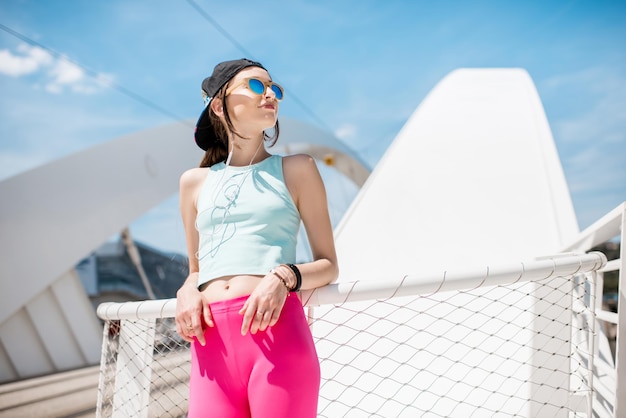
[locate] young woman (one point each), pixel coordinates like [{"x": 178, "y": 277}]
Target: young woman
[{"x": 252, "y": 352}]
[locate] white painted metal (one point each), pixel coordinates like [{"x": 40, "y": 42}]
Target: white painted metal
[
  {"x": 419, "y": 284},
  {"x": 102, "y": 374},
  {"x": 77, "y": 312},
  {"x": 20, "y": 341},
  {"x": 54, "y": 215},
  {"x": 133, "y": 253},
  {"x": 609, "y": 377},
  {"x": 620, "y": 355},
  {"x": 161, "y": 308},
  {"x": 472, "y": 177},
  {"x": 56, "y": 330}
]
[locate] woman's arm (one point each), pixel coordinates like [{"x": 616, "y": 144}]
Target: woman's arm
[
  {"x": 306, "y": 186},
  {"x": 191, "y": 307}
]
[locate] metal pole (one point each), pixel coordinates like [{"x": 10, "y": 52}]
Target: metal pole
[{"x": 133, "y": 252}]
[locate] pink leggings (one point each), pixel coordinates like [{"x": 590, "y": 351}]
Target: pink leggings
[{"x": 275, "y": 373}]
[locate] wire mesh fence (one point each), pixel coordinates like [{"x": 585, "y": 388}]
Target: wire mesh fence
[
  {"x": 506, "y": 343},
  {"x": 140, "y": 376},
  {"x": 459, "y": 354}
]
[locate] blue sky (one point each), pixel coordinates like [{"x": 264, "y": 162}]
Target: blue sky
[{"x": 360, "y": 68}]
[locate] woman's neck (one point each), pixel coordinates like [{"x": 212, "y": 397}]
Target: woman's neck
[{"x": 246, "y": 151}]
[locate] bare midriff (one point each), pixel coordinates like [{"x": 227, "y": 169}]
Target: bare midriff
[{"x": 229, "y": 287}]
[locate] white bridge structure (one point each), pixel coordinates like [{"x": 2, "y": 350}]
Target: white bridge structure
[{"x": 466, "y": 288}]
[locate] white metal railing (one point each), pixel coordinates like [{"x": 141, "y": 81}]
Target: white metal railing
[
  {"x": 611, "y": 394},
  {"x": 506, "y": 340},
  {"x": 460, "y": 347}
]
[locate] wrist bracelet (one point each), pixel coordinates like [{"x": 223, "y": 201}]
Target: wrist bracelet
[
  {"x": 296, "y": 271},
  {"x": 281, "y": 278}
]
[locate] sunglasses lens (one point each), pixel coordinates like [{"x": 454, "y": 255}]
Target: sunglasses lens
[
  {"x": 256, "y": 86},
  {"x": 278, "y": 92}
]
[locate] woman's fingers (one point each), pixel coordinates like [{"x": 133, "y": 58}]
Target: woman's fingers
[
  {"x": 184, "y": 328},
  {"x": 192, "y": 313},
  {"x": 248, "y": 311},
  {"x": 258, "y": 315},
  {"x": 274, "y": 317},
  {"x": 196, "y": 328},
  {"x": 260, "y": 320}
]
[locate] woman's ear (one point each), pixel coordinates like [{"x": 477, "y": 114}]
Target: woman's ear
[{"x": 217, "y": 107}]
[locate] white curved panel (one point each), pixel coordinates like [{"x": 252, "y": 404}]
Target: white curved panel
[
  {"x": 472, "y": 177},
  {"x": 54, "y": 215}
]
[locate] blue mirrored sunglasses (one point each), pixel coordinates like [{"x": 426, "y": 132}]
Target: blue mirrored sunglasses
[{"x": 259, "y": 87}]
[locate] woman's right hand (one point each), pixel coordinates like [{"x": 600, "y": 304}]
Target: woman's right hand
[{"x": 192, "y": 312}]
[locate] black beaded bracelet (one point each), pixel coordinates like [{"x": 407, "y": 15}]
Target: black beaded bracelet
[{"x": 296, "y": 271}]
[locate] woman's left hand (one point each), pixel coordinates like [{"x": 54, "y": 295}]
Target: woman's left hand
[{"x": 262, "y": 309}]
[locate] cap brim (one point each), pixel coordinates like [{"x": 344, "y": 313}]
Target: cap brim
[{"x": 204, "y": 135}]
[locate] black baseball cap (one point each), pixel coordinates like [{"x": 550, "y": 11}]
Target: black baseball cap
[{"x": 222, "y": 73}]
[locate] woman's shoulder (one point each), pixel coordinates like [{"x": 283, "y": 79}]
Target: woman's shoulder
[
  {"x": 193, "y": 176},
  {"x": 301, "y": 174},
  {"x": 299, "y": 163}
]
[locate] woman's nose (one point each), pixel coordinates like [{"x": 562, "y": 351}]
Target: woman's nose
[{"x": 269, "y": 92}]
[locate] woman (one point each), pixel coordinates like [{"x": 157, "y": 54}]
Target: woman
[{"x": 252, "y": 350}]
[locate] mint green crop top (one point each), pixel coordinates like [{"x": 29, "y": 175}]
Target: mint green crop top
[{"x": 247, "y": 220}]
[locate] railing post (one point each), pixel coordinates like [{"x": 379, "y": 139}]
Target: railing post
[
  {"x": 104, "y": 354},
  {"x": 594, "y": 290},
  {"x": 620, "y": 339},
  {"x": 134, "y": 368}
]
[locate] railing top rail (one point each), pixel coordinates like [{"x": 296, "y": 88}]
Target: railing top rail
[
  {"x": 543, "y": 268},
  {"x": 145, "y": 309}
]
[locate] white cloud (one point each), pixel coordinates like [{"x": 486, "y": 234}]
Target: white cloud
[
  {"x": 29, "y": 60},
  {"x": 58, "y": 73},
  {"x": 345, "y": 131},
  {"x": 67, "y": 74}
]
